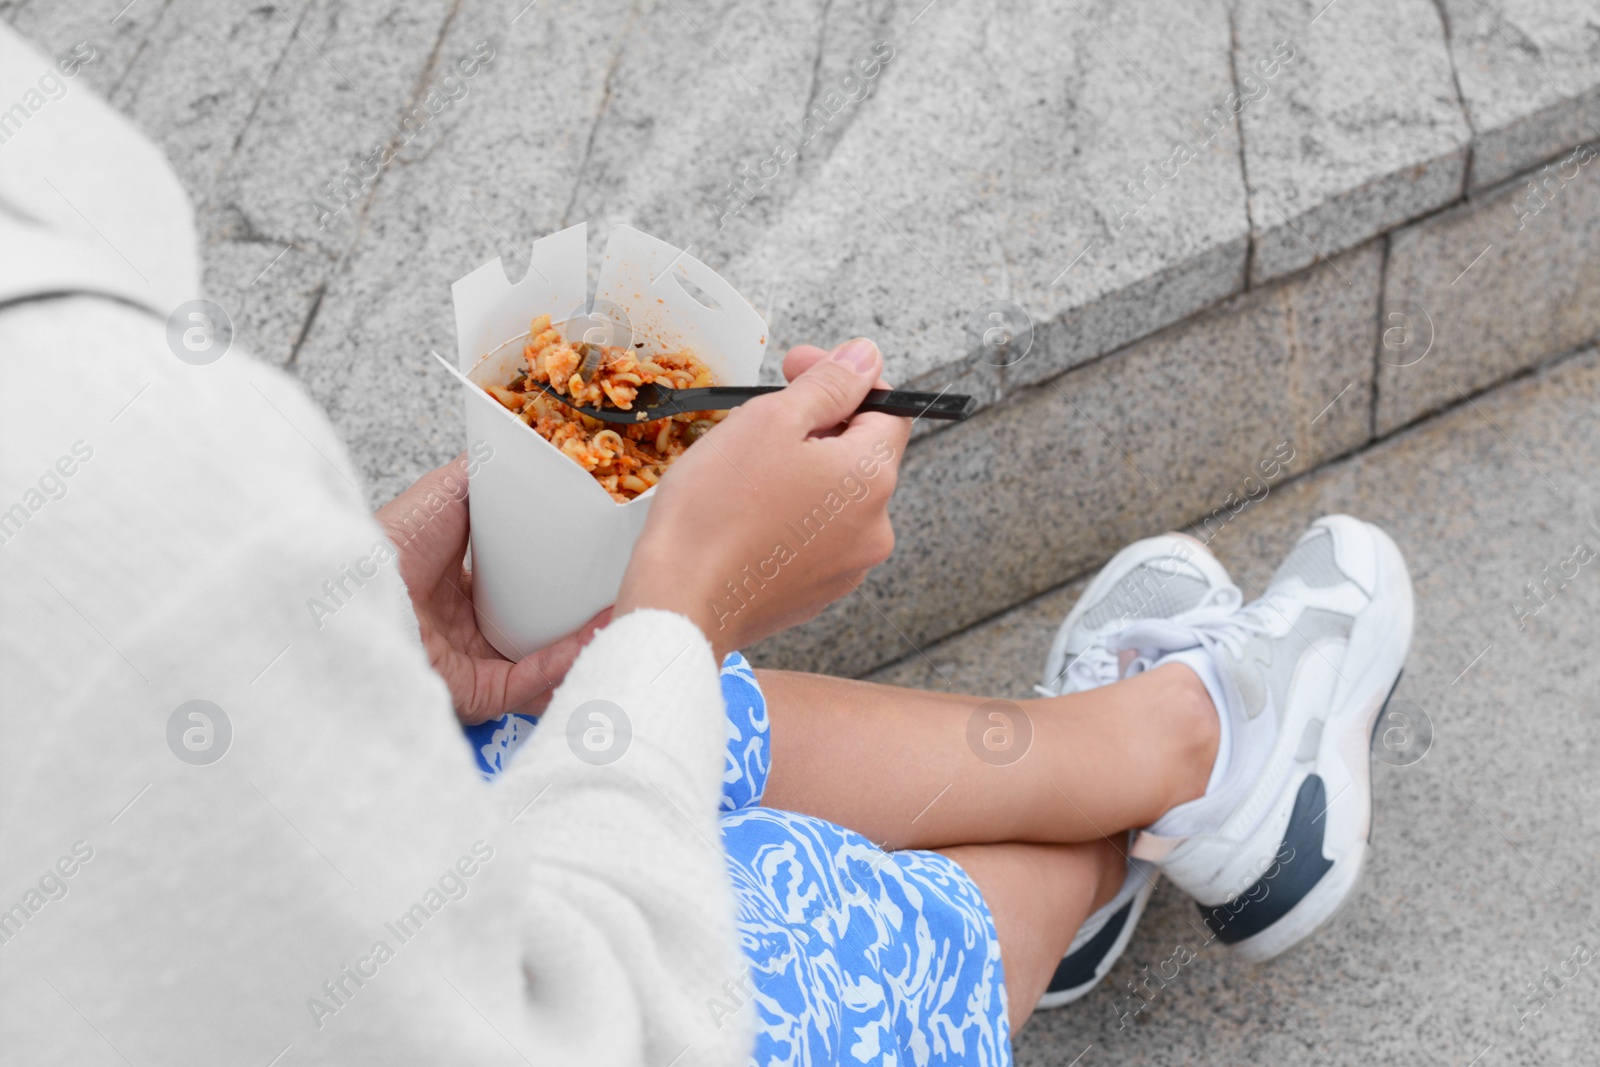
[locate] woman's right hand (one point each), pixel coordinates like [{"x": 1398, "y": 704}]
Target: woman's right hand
[{"x": 772, "y": 515}]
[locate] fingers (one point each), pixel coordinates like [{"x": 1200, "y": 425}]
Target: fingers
[
  {"x": 428, "y": 522},
  {"x": 828, "y": 393},
  {"x": 884, "y": 436},
  {"x": 800, "y": 359},
  {"x": 448, "y": 483},
  {"x": 879, "y": 433},
  {"x": 533, "y": 679}
]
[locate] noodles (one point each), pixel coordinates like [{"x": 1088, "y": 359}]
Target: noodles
[{"x": 626, "y": 460}]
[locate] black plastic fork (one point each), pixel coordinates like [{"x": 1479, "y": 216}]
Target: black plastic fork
[{"x": 660, "y": 402}]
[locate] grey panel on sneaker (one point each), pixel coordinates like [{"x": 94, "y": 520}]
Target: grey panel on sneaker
[
  {"x": 1147, "y": 592},
  {"x": 1275, "y": 660},
  {"x": 1313, "y": 562}
]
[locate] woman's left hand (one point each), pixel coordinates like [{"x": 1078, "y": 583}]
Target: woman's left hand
[{"x": 428, "y": 525}]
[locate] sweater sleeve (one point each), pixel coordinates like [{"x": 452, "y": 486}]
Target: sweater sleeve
[
  {"x": 238, "y": 820},
  {"x": 313, "y": 864},
  {"x": 617, "y": 796}
]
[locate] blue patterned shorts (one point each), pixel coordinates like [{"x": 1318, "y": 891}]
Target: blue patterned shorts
[{"x": 857, "y": 955}]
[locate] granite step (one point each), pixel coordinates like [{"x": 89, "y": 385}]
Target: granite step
[
  {"x": 1191, "y": 424},
  {"x": 1222, "y": 232}
]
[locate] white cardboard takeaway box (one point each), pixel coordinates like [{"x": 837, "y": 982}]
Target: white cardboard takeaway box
[{"x": 549, "y": 545}]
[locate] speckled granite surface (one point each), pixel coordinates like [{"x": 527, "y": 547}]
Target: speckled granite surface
[
  {"x": 1253, "y": 205},
  {"x": 1484, "y": 861}
]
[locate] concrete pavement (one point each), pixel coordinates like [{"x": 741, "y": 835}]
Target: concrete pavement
[{"x": 1485, "y": 856}]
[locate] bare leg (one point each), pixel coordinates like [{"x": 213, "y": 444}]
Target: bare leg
[
  {"x": 896, "y": 765},
  {"x": 1039, "y": 895}
]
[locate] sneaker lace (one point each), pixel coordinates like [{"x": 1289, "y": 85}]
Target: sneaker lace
[
  {"x": 1230, "y": 629},
  {"x": 1094, "y": 666},
  {"x": 1099, "y": 664}
]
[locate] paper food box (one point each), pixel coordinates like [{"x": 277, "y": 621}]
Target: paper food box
[{"x": 549, "y": 543}]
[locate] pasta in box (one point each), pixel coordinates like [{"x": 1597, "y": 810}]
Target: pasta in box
[
  {"x": 550, "y": 537},
  {"x": 627, "y": 459}
]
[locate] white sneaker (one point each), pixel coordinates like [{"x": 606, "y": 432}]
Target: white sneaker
[
  {"x": 1100, "y": 941},
  {"x": 1278, "y": 842},
  {"x": 1171, "y": 577}
]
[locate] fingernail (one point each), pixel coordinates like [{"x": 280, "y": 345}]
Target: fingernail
[{"x": 861, "y": 354}]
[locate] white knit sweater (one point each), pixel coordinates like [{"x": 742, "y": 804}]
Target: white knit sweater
[{"x": 340, "y": 887}]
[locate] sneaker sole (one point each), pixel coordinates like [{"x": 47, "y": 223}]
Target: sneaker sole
[
  {"x": 1129, "y": 919},
  {"x": 1324, "y": 848}
]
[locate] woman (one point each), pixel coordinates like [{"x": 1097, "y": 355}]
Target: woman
[
  {"x": 235, "y": 830},
  {"x": 947, "y": 876}
]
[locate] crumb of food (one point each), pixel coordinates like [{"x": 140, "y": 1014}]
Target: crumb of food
[{"x": 626, "y": 460}]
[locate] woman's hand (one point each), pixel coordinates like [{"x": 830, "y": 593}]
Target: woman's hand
[
  {"x": 428, "y": 524},
  {"x": 777, "y": 512}
]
